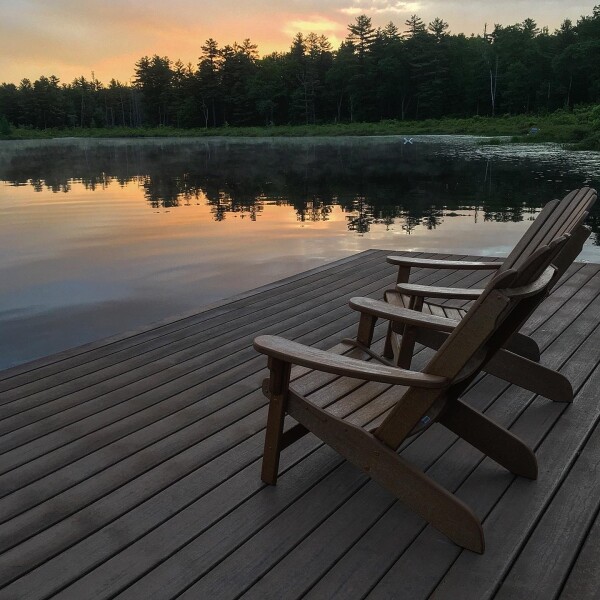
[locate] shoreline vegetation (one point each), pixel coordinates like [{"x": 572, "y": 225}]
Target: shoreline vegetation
[{"x": 579, "y": 129}]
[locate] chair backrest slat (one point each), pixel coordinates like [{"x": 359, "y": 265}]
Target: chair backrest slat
[
  {"x": 570, "y": 213},
  {"x": 555, "y": 219},
  {"x": 583, "y": 210},
  {"x": 542, "y": 220}
]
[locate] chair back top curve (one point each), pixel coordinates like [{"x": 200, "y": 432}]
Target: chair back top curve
[{"x": 556, "y": 218}]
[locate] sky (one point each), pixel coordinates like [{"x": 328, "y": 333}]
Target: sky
[{"x": 70, "y": 38}]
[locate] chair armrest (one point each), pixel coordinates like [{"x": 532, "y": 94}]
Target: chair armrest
[
  {"x": 413, "y": 289},
  {"x": 299, "y": 354},
  {"x": 378, "y": 308},
  {"x": 429, "y": 263}
]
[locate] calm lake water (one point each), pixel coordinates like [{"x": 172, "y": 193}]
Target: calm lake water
[{"x": 98, "y": 237}]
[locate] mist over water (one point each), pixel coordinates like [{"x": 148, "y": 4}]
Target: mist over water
[{"x": 98, "y": 237}]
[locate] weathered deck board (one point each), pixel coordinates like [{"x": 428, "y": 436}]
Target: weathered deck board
[
  {"x": 584, "y": 578},
  {"x": 546, "y": 559},
  {"x": 130, "y": 466}
]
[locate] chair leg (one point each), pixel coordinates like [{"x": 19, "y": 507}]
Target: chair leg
[
  {"x": 366, "y": 329},
  {"x": 492, "y": 439},
  {"x": 531, "y": 376},
  {"x": 412, "y": 487},
  {"x": 519, "y": 343},
  {"x": 522, "y": 344},
  {"x": 407, "y": 347},
  {"x": 409, "y": 336},
  {"x": 388, "y": 349},
  {"x": 516, "y": 369},
  {"x": 431, "y": 338},
  {"x": 439, "y": 507},
  {"x": 278, "y": 394}
]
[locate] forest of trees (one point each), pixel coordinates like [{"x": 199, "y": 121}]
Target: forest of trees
[{"x": 420, "y": 72}]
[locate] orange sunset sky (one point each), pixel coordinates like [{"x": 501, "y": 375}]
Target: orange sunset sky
[{"x": 69, "y": 38}]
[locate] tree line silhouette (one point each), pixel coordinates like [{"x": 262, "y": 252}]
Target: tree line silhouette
[{"x": 421, "y": 72}]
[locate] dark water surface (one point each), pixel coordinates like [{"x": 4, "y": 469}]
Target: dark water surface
[{"x": 98, "y": 237}]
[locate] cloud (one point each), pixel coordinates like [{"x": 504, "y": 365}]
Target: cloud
[
  {"x": 332, "y": 30},
  {"x": 312, "y": 24},
  {"x": 375, "y": 7}
]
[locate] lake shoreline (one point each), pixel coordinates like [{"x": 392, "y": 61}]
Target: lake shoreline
[{"x": 578, "y": 129}]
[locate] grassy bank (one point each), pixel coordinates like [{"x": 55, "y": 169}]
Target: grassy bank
[{"x": 579, "y": 128}]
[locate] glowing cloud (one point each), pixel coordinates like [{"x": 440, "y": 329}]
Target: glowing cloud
[
  {"x": 312, "y": 24},
  {"x": 316, "y": 24},
  {"x": 370, "y": 7}
]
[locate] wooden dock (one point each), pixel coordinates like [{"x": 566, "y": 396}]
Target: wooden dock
[{"x": 129, "y": 468}]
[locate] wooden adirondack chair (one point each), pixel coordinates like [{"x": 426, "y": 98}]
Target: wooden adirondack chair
[
  {"x": 518, "y": 361},
  {"x": 367, "y": 422}
]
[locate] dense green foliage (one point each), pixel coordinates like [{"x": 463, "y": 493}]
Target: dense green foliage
[
  {"x": 579, "y": 127},
  {"x": 375, "y": 74}
]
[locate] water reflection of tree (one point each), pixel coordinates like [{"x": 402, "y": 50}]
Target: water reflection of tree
[
  {"x": 410, "y": 223},
  {"x": 313, "y": 210},
  {"x": 508, "y": 214},
  {"x": 97, "y": 181},
  {"x": 388, "y": 221},
  {"x": 373, "y": 183},
  {"x": 244, "y": 206},
  {"x": 52, "y": 185},
  {"x": 162, "y": 192},
  {"x": 412, "y": 212},
  {"x": 361, "y": 222},
  {"x": 432, "y": 217}
]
